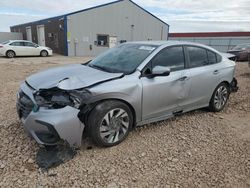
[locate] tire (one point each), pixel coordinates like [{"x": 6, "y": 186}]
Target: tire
[
  {"x": 109, "y": 123},
  {"x": 10, "y": 54},
  {"x": 219, "y": 98},
  {"x": 44, "y": 53}
]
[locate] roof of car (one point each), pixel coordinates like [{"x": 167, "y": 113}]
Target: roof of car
[
  {"x": 169, "y": 43},
  {"x": 19, "y": 41},
  {"x": 173, "y": 43}
]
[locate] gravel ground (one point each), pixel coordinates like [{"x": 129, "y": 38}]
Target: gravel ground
[{"x": 198, "y": 149}]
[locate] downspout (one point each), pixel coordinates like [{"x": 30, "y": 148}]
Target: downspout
[
  {"x": 65, "y": 28},
  {"x": 161, "y": 32},
  {"x": 168, "y": 32}
]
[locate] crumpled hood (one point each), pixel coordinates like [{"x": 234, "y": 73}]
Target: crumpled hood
[{"x": 69, "y": 77}]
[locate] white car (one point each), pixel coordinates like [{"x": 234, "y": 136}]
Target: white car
[{"x": 14, "y": 48}]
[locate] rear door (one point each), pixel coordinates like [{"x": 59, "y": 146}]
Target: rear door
[
  {"x": 18, "y": 47},
  {"x": 162, "y": 94},
  {"x": 204, "y": 75}
]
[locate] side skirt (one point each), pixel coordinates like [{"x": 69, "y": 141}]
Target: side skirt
[{"x": 176, "y": 113}]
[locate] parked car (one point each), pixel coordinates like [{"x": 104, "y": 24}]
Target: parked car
[
  {"x": 14, "y": 48},
  {"x": 241, "y": 52},
  {"x": 130, "y": 85}
]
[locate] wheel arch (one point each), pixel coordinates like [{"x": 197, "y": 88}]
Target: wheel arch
[
  {"x": 45, "y": 51},
  {"x": 211, "y": 104},
  {"x": 9, "y": 51},
  {"x": 221, "y": 82},
  {"x": 85, "y": 112},
  {"x": 226, "y": 82}
]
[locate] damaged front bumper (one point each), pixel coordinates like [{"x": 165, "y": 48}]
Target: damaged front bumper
[{"x": 49, "y": 126}]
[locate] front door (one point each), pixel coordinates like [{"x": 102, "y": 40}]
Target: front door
[
  {"x": 41, "y": 35},
  {"x": 31, "y": 49},
  {"x": 162, "y": 94}
]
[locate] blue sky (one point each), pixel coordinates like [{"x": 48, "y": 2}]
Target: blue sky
[{"x": 181, "y": 15}]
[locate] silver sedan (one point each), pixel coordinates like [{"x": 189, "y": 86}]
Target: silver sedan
[{"x": 130, "y": 85}]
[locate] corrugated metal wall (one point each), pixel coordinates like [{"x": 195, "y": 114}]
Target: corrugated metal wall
[
  {"x": 4, "y": 36},
  {"x": 52, "y": 26},
  {"x": 123, "y": 20},
  {"x": 222, "y": 44}
]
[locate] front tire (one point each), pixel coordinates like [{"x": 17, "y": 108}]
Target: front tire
[
  {"x": 10, "y": 54},
  {"x": 44, "y": 53},
  {"x": 219, "y": 98},
  {"x": 109, "y": 123}
]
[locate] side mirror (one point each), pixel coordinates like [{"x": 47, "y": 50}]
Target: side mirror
[{"x": 159, "y": 71}]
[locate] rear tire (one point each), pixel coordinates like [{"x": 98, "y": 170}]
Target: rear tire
[
  {"x": 109, "y": 123},
  {"x": 219, "y": 98},
  {"x": 44, "y": 53},
  {"x": 10, "y": 54}
]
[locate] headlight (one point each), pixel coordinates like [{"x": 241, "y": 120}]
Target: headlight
[
  {"x": 49, "y": 48},
  {"x": 55, "y": 99}
]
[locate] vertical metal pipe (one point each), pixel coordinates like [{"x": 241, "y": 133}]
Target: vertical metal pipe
[
  {"x": 161, "y": 32},
  {"x": 132, "y": 32}
]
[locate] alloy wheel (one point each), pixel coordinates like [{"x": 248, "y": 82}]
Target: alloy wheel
[
  {"x": 44, "y": 54},
  {"x": 114, "y": 125},
  {"x": 221, "y": 97},
  {"x": 10, "y": 54}
]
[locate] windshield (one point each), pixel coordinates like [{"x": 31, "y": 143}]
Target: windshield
[
  {"x": 124, "y": 58},
  {"x": 6, "y": 42},
  {"x": 240, "y": 47}
]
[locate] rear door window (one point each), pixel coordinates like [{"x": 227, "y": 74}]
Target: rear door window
[
  {"x": 29, "y": 44},
  {"x": 17, "y": 44},
  {"x": 171, "y": 57},
  {"x": 211, "y": 57},
  {"x": 197, "y": 56},
  {"x": 219, "y": 58}
]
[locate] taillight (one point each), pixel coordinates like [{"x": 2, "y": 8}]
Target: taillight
[{"x": 1, "y": 46}]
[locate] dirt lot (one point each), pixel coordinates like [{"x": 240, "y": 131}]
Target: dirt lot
[{"x": 198, "y": 149}]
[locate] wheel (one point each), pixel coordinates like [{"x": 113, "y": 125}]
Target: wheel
[
  {"x": 10, "y": 54},
  {"x": 44, "y": 53},
  {"x": 109, "y": 123},
  {"x": 219, "y": 98}
]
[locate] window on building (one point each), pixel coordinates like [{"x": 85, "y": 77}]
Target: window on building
[
  {"x": 211, "y": 57},
  {"x": 197, "y": 57},
  {"x": 172, "y": 58},
  {"x": 103, "y": 40},
  {"x": 50, "y": 35}
]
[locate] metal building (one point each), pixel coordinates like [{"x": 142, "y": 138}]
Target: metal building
[
  {"x": 91, "y": 31},
  {"x": 222, "y": 41},
  {"x": 4, "y": 36}
]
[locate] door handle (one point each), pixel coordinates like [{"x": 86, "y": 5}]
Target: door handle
[
  {"x": 216, "y": 72},
  {"x": 184, "y": 78}
]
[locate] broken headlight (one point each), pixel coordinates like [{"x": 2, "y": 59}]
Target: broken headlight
[{"x": 56, "y": 98}]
